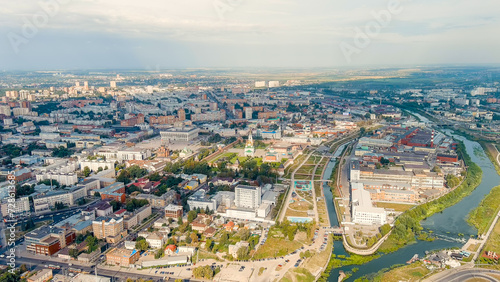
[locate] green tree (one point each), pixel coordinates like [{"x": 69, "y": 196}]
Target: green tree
[
  {"x": 86, "y": 171},
  {"x": 142, "y": 245},
  {"x": 242, "y": 253},
  {"x": 208, "y": 244},
  {"x": 192, "y": 215},
  {"x": 194, "y": 237},
  {"x": 73, "y": 253},
  {"x": 244, "y": 234},
  {"x": 92, "y": 243}
]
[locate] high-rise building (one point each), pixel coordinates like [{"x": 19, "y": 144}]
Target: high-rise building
[
  {"x": 274, "y": 84},
  {"x": 182, "y": 114},
  {"x": 247, "y": 196},
  {"x": 77, "y": 84},
  {"x": 260, "y": 84},
  {"x": 86, "y": 85},
  {"x": 248, "y": 112},
  {"x": 107, "y": 227},
  {"x": 112, "y": 84}
]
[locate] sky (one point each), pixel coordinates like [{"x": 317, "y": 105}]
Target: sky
[{"x": 169, "y": 34}]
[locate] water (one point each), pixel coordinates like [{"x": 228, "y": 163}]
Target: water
[{"x": 445, "y": 225}]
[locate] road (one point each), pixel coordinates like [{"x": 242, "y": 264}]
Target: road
[{"x": 461, "y": 274}]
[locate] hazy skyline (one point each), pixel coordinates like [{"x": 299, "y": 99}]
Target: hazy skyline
[{"x": 94, "y": 34}]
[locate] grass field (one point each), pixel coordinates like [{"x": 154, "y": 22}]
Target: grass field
[
  {"x": 491, "y": 152},
  {"x": 298, "y": 275},
  {"x": 276, "y": 247},
  {"x": 394, "y": 206},
  {"x": 412, "y": 272},
  {"x": 300, "y": 206},
  {"x": 493, "y": 243},
  {"x": 473, "y": 247},
  {"x": 202, "y": 254},
  {"x": 482, "y": 216},
  {"x": 290, "y": 212}
]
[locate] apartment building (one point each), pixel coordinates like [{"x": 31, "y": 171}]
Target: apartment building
[
  {"x": 20, "y": 206},
  {"x": 109, "y": 228}
]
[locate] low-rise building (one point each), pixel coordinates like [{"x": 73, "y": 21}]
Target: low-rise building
[
  {"x": 41, "y": 276},
  {"x": 173, "y": 211},
  {"x": 48, "y": 240},
  {"x": 122, "y": 257}
]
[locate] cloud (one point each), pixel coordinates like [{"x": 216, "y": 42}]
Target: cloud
[{"x": 251, "y": 27}]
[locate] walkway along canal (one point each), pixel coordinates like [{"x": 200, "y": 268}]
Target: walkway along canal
[{"x": 445, "y": 225}]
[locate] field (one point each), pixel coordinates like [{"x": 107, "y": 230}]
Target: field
[
  {"x": 493, "y": 243},
  {"x": 412, "y": 272},
  {"x": 298, "y": 275},
  {"x": 473, "y": 247},
  {"x": 482, "y": 216},
  {"x": 206, "y": 255},
  {"x": 276, "y": 247},
  {"x": 492, "y": 153},
  {"x": 317, "y": 261},
  {"x": 394, "y": 206}
]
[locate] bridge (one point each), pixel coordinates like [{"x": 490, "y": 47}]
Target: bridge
[{"x": 335, "y": 230}]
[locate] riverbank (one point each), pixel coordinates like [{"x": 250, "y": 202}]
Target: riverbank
[
  {"x": 482, "y": 216},
  {"x": 492, "y": 153},
  {"x": 407, "y": 226}
]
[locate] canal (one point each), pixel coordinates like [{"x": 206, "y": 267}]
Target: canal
[{"x": 446, "y": 224}]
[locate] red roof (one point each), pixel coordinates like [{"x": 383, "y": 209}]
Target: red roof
[
  {"x": 171, "y": 247},
  {"x": 120, "y": 211}
]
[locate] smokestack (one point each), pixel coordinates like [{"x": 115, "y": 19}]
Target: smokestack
[{"x": 432, "y": 139}]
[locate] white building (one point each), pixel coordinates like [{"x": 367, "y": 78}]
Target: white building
[
  {"x": 260, "y": 84},
  {"x": 263, "y": 210},
  {"x": 185, "y": 134},
  {"x": 21, "y": 205},
  {"x": 94, "y": 165},
  {"x": 199, "y": 200},
  {"x": 155, "y": 240},
  {"x": 248, "y": 112},
  {"x": 247, "y": 196},
  {"x": 274, "y": 84},
  {"x": 67, "y": 197},
  {"x": 363, "y": 212}
]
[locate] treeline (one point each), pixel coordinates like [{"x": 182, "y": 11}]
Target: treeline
[{"x": 407, "y": 226}]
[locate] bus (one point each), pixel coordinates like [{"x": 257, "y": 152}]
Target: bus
[
  {"x": 51, "y": 266},
  {"x": 75, "y": 270}
]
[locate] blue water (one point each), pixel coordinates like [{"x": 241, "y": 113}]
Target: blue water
[{"x": 299, "y": 219}]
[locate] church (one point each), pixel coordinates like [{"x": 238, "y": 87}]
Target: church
[{"x": 249, "y": 148}]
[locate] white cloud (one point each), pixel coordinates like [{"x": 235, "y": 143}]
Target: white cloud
[{"x": 265, "y": 22}]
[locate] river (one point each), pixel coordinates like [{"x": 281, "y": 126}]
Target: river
[{"x": 446, "y": 224}]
